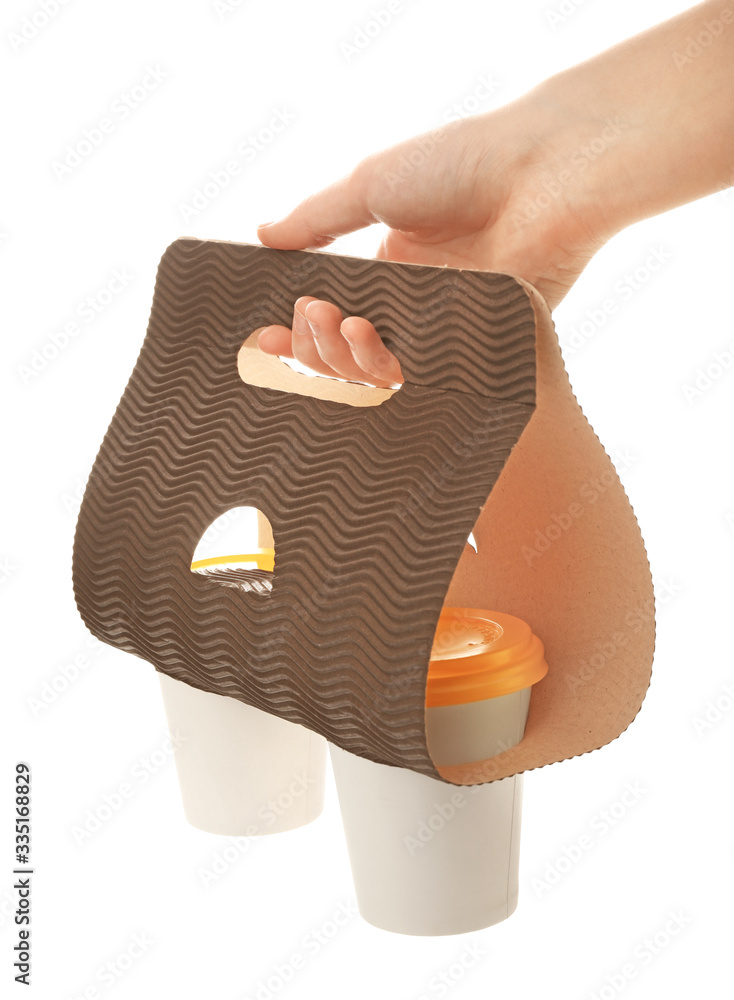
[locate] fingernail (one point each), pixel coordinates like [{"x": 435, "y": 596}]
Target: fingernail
[
  {"x": 315, "y": 328},
  {"x": 300, "y": 323},
  {"x": 264, "y": 225}
]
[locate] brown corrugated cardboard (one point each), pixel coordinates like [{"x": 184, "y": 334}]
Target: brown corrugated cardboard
[{"x": 371, "y": 499}]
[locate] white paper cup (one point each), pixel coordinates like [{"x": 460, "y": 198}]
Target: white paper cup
[
  {"x": 476, "y": 730},
  {"x": 428, "y": 857},
  {"x": 242, "y": 772}
]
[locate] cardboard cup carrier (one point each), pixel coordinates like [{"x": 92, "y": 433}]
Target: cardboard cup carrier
[{"x": 371, "y": 495}]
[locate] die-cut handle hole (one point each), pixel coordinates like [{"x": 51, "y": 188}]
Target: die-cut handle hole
[
  {"x": 255, "y": 367},
  {"x": 237, "y": 550}
]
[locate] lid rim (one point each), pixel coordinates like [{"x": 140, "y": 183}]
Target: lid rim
[{"x": 513, "y": 662}]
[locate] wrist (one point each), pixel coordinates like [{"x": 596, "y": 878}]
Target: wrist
[{"x": 587, "y": 158}]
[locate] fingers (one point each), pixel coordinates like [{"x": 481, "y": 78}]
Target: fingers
[
  {"x": 296, "y": 342},
  {"x": 338, "y": 209},
  {"x": 276, "y": 340},
  {"x": 279, "y": 339},
  {"x": 369, "y": 352},
  {"x": 329, "y": 345}
]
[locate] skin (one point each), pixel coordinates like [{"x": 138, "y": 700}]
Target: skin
[{"x": 534, "y": 188}]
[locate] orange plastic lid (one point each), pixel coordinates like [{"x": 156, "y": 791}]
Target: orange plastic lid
[
  {"x": 481, "y": 654},
  {"x": 257, "y": 559}
]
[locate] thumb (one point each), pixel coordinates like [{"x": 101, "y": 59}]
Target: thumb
[{"x": 318, "y": 220}]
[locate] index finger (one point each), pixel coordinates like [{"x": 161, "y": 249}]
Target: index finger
[{"x": 322, "y": 217}]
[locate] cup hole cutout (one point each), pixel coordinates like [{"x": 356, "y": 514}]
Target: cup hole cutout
[
  {"x": 237, "y": 550},
  {"x": 255, "y": 367}
]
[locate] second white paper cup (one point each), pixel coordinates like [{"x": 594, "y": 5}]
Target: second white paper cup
[{"x": 242, "y": 772}]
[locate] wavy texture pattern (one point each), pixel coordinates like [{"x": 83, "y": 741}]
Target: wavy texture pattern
[
  {"x": 370, "y": 507},
  {"x": 259, "y": 580}
]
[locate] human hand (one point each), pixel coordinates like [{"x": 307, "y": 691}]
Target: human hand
[
  {"x": 464, "y": 205},
  {"x": 532, "y": 189}
]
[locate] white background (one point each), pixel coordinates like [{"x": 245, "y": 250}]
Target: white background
[{"x": 225, "y": 76}]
